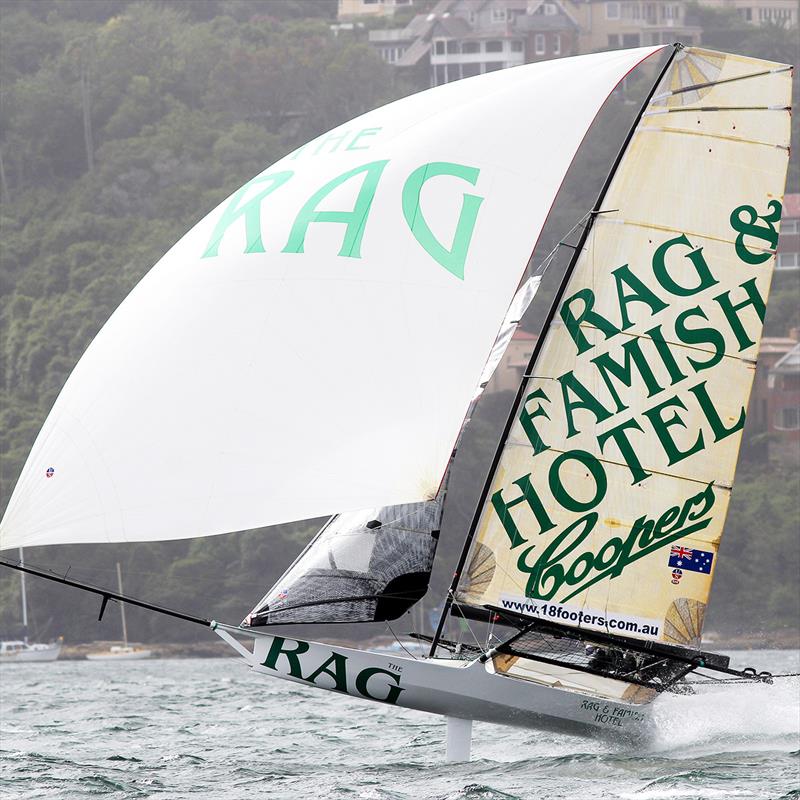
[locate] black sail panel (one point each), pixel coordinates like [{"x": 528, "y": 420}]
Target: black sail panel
[{"x": 363, "y": 566}]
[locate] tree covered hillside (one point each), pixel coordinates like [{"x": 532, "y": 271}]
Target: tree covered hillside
[{"x": 122, "y": 124}]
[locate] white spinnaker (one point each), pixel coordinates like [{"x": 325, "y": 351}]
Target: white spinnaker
[{"x": 243, "y": 389}]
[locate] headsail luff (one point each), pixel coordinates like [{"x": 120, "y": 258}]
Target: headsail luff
[
  {"x": 251, "y": 378},
  {"x": 607, "y": 505}
]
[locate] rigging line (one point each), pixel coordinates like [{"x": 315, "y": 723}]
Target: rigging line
[
  {"x": 480, "y": 647},
  {"x": 448, "y": 603},
  {"x": 411, "y": 655},
  {"x": 696, "y": 86},
  {"x": 544, "y": 264}
]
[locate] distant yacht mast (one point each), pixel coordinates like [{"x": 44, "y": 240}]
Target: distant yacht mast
[
  {"x": 24, "y": 598},
  {"x": 122, "y": 606}
]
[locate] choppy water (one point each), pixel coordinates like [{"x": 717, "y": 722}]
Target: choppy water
[{"x": 211, "y": 729}]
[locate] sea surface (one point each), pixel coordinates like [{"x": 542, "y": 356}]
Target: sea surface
[{"x": 211, "y": 729}]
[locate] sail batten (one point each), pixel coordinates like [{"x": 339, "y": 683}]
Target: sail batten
[{"x": 606, "y": 507}]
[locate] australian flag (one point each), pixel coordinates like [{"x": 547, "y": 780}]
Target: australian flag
[{"x": 690, "y": 558}]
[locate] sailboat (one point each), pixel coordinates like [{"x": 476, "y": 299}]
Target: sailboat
[
  {"x": 21, "y": 651},
  {"x": 124, "y": 651},
  {"x": 318, "y": 342}
]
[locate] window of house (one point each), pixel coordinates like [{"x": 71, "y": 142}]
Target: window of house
[
  {"x": 557, "y": 45},
  {"x": 492, "y": 66},
  {"x": 550, "y": 9},
  {"x": 453, "y": 72},
  {"x": 468, "y": 70},
  {"x": 494, "y": 46},
  {"x": 539, "y": 44},
  {"x": 498, "y": 15},
  {"x": 787, "y": 419},
  {"x": 452, "y": 46},
  {"x": 630, "y": 39},
  {"x": 791, "y": 383},
  {"x": 790, "y": 226},
  {"x": 516, "y": 46},
  {"x": 747, "y": 14},
  {"x": 612, "y": 10},
  {"x": 471, "y": 47},
  {"x": 787, "y": 261},
  {"x": 370, "y": 2},
  {"x": 613, "y": 40},
  {"x": 438, "y": 47},
  {"x": 439, "y": 75},
  {"x": 471, "y": 17}
]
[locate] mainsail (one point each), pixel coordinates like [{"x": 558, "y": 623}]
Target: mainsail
[
  {"x": 606, "y": 504},
  {"x": 314, "y": 343}
]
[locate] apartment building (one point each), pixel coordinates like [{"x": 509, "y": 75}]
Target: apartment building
[
  {"x": 462, "y": 38},
  {"x": 611, "y": 24},
  {"x": 760, "y": 12}
]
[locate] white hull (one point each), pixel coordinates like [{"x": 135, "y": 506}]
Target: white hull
[
  {"x": 120, "y": 654},
  {"x": 545, "y": 697},
  {"x": 30, "y": 653}
]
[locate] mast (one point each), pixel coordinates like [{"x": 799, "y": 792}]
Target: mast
[
  {"x": 24, "y": 594},
  {"x": 676, "y": 48},
  {"x": 122, "y": 606}
]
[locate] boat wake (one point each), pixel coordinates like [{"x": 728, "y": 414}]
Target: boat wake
[{"x": 729, "y": 717}]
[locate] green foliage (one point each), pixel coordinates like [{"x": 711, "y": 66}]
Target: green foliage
[{"x": 755, "y": 585}]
